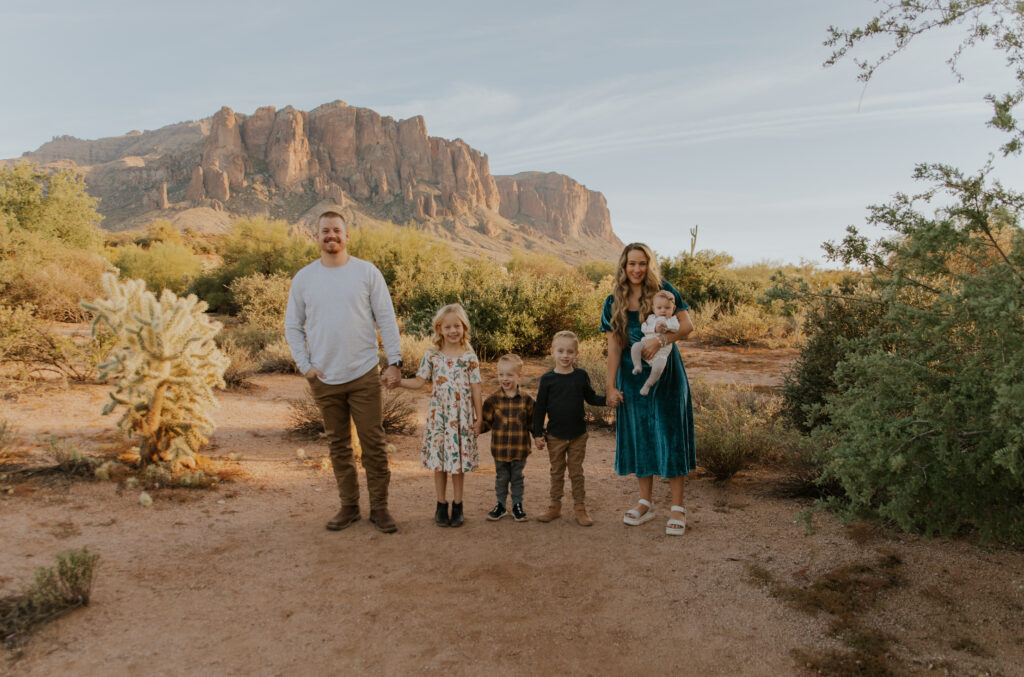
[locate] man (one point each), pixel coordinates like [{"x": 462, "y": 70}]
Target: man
[{"x": 335, "y": 306}]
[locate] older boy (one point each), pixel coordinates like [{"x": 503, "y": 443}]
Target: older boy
[{"x": 509, "y": 414}]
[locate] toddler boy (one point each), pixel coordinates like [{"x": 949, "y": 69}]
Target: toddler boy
[{"x": 508, "y": 413}]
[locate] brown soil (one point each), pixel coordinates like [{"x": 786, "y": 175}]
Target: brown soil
[{"x": 245, "y": 579}]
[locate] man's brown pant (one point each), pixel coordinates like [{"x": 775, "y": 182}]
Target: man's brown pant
[
  {"x": 361, "y": 400},
  {"x": 571, "y": 453}
]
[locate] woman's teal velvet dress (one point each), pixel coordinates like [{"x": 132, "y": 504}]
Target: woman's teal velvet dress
[{"x": 653, "y": 433}]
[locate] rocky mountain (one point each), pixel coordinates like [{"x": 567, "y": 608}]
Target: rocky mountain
[{"x": 288, "y": 162}]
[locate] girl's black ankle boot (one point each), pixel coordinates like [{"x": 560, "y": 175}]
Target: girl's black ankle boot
[
  {"x": 457, "y": 519},
  {"x": 441, "y": 515}
]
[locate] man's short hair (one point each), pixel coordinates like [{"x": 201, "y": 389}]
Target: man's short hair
[
  {"x": 329, "y": 214},
  {"x": 514, "y": 360}
]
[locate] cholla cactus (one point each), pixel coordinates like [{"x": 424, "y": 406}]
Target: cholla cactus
[{"x": 166, "y": 366}]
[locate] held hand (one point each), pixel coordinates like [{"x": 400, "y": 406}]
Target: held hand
[
  {"x": 613, "y": 397},
  {"x": 391, "y": 377},
  {"x": 540, "y": 443},
  {"x": 661, "y": 326},
  {"x": 314, "y": 373},
  {"x": 475, "y": 428},
  {"x": 651, "y": 348}
]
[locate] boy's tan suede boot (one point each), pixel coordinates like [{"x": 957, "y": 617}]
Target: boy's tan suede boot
[
  {"x": 553, "y": 513},
  {"x": 582, "y": 518}
]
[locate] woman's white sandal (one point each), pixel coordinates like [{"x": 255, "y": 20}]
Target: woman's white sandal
[
  {"x": 676, "y": 527},
  {"x": 633, "y": 517}
]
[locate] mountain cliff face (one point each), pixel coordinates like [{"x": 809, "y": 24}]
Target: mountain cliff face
[{"x": 287, "y": 162}]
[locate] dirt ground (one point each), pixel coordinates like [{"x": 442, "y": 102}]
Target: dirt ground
[{"x": 245, "y": 580}]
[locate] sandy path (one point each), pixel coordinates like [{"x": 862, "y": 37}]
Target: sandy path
[{"x": 245, "y": 580}]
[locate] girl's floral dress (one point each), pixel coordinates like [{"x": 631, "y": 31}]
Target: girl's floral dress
[{"x": 448, "y": 441}]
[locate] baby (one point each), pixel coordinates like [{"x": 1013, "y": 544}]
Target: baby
[{"x": 659, "y": 322}]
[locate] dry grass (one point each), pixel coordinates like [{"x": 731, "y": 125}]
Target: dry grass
[
  {"x": 53, "y": 593},
  {"x": 242, "y": 368},
  {"x": 593, "y": 358},
  {"x": 746, "y": 325},
  {"x": 306, "y": 421}
]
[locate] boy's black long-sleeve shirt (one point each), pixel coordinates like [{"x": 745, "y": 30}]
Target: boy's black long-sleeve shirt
[{"x": 560, "y": 398}]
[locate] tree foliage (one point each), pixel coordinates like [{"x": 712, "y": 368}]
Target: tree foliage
[
  {"x": 164, "y": 265},
  {"x": 54, "y": 205},
  {"x": 998, "y": 22}
]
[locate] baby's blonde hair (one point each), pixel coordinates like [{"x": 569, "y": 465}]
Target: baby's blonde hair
[
  {"x": 665, "y": 294},
  {"x": 566, "y": 334},
  {"x": 514, "y": 360},
  {"x": 460, "y": 313}
]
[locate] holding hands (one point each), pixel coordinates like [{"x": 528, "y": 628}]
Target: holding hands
[
  {"x": 613, "y": 397},
  {"x": 540, "y": 443},
  {"x": 391, "y": 377}
]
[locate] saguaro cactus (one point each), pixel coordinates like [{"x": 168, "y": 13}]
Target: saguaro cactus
[{"x": 166, "y": 366}]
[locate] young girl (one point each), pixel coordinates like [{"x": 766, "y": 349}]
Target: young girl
[{"x": 453, "y": 419}]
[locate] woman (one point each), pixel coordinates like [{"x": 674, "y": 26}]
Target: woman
[{"x": 653, "y": 432}]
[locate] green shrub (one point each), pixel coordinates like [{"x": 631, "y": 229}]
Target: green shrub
[
  {"x": 596, "y": 271},
  {"x": 164, "y": 265},
  {"x": 404, "y": 256},
  {"x": 254, "y": 245},
  {"x": 706, "y": 277},
  {"x": 262, "y": 300},
  {"x": 927, "y": 416},
  {"x": 53, "y": 593},
  {"x": 48, "y": 274},
  {"x": 834, "y": 321}
]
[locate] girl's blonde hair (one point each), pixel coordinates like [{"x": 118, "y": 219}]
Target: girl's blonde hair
[
  {"x": 620, "y": 294},
  {"x": 460, "y": 313}
]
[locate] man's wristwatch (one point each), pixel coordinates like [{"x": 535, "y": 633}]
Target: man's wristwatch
[{"x": 396, "y": 364}]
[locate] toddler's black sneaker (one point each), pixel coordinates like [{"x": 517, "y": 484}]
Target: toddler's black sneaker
[
  {"x": 518, "y": 512},
  {"x": 497, "y": 513}
]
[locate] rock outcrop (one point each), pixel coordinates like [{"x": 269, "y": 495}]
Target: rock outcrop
[
  {"x": 285, "y": 161},
  {"x": 559, "y": 205}
]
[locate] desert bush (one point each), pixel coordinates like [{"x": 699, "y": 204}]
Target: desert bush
[
  {"x": 262, "y": 300},
  {"x": 737, "y": 427},
  {"x": 164, "y": 265},
  {"x": 835, "y": 320},
  {"x": 404, "y": 256},
  {"x": 277, "y": 358},
  {"x": 69, "y": 460},
  {"x": 31, "y": 347},
  {"x": 54, "y": 592},
  {"x": 593, "y": 358},
  {"x": 596, "y": 271},
  {"x": 304, "y": 417},
  {"x": 413, "y": 350},
  {"x": 399, "y": 413},
  {"x": 705, "y": 277},
  {"x": 48, "y": 274},
  {"x": 509, "y": 312},
  {"x": 166, "y": 365},
  {"x": 254, "y": 245},
  {"x": 242, "y": 366},
  {"x": 926, "y": 416}
]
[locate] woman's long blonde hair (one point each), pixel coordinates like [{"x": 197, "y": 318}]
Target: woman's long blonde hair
[
  {"x": 460, "y": 313},
  {"x": 620, "y": 294}
]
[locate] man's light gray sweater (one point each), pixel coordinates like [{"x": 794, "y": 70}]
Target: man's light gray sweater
[{"x": 332, "y": 318}]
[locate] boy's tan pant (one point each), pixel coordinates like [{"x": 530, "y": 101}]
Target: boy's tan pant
[
  {"x": 361, "y": 400},
  {"x": 567, "y": 453}
]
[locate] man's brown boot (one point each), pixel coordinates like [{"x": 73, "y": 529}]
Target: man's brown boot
[
  {"x": 345, "y": 517},
  {"x": 382, "y": 519},
  {"x": 582, "y": 518},
  {"x": 553, "y": 513}
]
